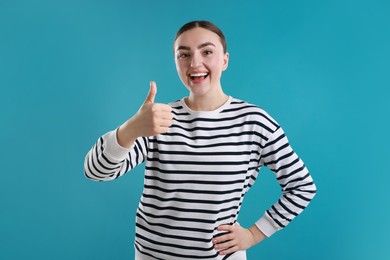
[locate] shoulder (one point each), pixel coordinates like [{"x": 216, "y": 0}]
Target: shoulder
[
  {"x": 178, "y": 108},
  {"x": 253, "y": 112},
  {"x": 176, "y": 104}
]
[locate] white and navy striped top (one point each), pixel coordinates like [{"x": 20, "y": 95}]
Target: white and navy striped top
[{"x": 197, "y": 174}]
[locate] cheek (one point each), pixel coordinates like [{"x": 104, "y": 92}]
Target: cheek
[
  {"x": 182, "y": 73},
  {"x": 215, "y": 67},
  {"x": 180, "y": 66},
  {"x": 216, "y": 64},
  {"x": 179, "y": 69}
]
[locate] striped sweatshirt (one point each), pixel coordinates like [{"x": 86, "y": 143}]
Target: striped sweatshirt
[{"x": 197, "y": 174}]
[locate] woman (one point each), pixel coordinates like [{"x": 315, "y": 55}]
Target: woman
[{"x": 202, "y": 155}]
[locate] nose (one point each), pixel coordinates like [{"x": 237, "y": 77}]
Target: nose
[{"x": 196, "y": 60}]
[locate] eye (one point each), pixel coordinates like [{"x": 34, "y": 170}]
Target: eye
[
  {"x": 208, "y": 52},
  {"x": 183, "y": 55}
]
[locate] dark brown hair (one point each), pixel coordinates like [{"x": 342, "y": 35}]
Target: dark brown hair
[{"x": 205, "y": 25}]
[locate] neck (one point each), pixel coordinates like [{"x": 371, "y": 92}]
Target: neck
[{"x": 206, "y": 102}]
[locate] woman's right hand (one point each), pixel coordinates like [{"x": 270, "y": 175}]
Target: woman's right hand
[{"x": 151, "y": 119}]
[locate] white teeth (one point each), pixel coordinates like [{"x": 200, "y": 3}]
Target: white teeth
[{"x": 198, "y": 74}]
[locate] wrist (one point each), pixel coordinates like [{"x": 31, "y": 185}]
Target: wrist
[
  {"x": 257, "y": 234},
  {"x": 126, "y": 134}
]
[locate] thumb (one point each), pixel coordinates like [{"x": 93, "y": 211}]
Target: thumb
[{"x": 152, "y": 93}]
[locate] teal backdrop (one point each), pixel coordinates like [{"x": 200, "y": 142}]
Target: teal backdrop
[{"x": 71, "y": 70}]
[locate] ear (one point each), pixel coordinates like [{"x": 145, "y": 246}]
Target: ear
[{"x": 225, "y": 61}]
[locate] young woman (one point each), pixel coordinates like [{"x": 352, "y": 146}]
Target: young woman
[{"x": 202, "y": 155}]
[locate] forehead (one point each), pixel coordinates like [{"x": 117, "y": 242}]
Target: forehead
[{"x": 197, "y": 36}]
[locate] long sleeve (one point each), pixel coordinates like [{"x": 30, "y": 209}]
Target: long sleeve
[
  {"x": 298, "y": 188},
  {"x": 107, "y": 160}
]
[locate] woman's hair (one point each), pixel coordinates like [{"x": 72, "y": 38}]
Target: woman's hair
[{"x": 205, "y": 25}]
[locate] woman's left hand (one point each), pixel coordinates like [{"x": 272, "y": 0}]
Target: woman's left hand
[{"x": 237, "y": 239}]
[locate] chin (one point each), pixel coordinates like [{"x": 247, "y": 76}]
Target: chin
[{"x": 199, "y": 91}]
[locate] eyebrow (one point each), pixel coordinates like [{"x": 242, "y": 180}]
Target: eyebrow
[{"x": 181, "y": 47}]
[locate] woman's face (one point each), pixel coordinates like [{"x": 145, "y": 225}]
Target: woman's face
[{"x": 200, "y": 60}]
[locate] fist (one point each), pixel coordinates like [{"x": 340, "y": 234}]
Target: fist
[{"x": 153, "y": 118}]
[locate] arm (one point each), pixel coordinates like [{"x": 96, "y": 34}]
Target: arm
[
  {"x": 237, "y": 238},
  {"x": 298, "y": 190},
  {"x": 107, "y": 160},
  {"x": 117, "y": 152}
]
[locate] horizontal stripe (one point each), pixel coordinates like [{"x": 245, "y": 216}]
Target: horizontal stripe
[
  {"x": 219, "y": 128},
  {"x": 97, "y": 169},
  {"x": 178, "y": 219},
  {"x": 281, "y": 148},
  {"x": 197, "y": 174},
  {"x": 176, "y": 245},
  {"x": 275, "y": 161},
  {"x": 101, "y": 163},
  {"x": 137, "y": 247},
  {"x": 177, "y": 106},
  {"x": 223, "y": 119},
  {"x": 297, "y": 187},
  {"x": 293, "y": 202},
  {"x": 180, "y": 114},
  {"x": 172, "y": 162},
  {"x": 281, "y": 204},
  {"x": 154, "y": 232},
  {"x": 300, "y": 179},
  {"x": 191, "y": 210},
  {"x": 193, "y": 201},
  {"x": 206, "y": 145},
  {"x": 287, "y": 174},
  {"x": 180, "y": 228},
  {"x": 211, "y": 137},
  {"x": 192, "y": 181},
  {"x": 180, "y": 255},
  {"x": 285, "y": 166},
  {"x": 184, "y": 220},
  {"x": 295, "y": 194},
  {"x": 275, "y": 219},
  {"x": 237, "y": 108},
  {"x": 270, "y": 143},
  {"x": 196, "y": 153},
  {"x": 153, "y": 187}
]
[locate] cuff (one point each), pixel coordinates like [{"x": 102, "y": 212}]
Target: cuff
[
  {"x": 266, "y": 225},
  {"x": 113, "y": 149}
]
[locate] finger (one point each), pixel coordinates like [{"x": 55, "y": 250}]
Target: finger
[
  {"x": 152, "y": 93},
  {"x": 166, "y": 115},
  {"x": 162, "y": 115},
  {"x": 225, "y": 228},
  {"x": 161, "y": 129},
  {"x": 162, "y": 107},
  {"x": 165, "y": 123},
  {"x": 223, "y": 238},
  {"x": 225, "y": 245},
  {"x": 229, "y": 250}
]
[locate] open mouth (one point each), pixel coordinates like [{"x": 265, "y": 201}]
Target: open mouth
[{"x": 198, "y": 76}]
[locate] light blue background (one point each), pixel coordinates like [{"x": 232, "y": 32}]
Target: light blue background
[{"x": 73, "y": 70}]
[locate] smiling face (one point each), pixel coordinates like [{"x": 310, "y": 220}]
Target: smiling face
[{"x": 200, "y": 60}]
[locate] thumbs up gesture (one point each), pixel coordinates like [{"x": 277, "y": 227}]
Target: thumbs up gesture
[
  {"x": 154, "y": 118},
  {"x": 152, "y": 93},
  {"x": 151, "y": 119}
]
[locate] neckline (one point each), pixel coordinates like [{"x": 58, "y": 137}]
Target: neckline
[{"x": 208, "y": 112}]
